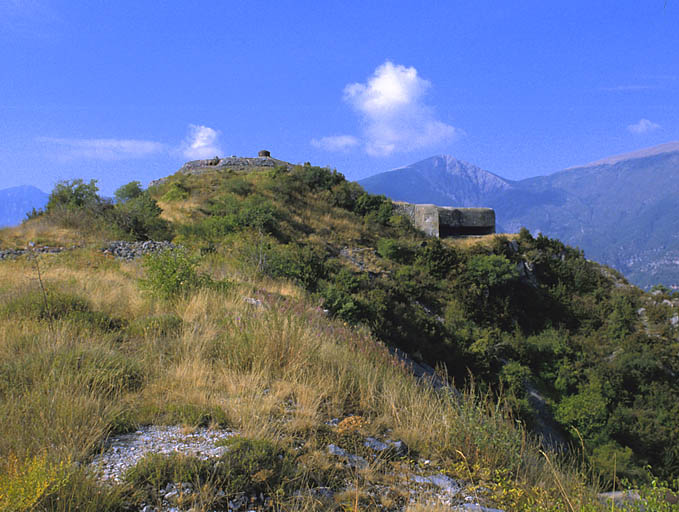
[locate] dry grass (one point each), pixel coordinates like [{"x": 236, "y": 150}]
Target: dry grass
[
  {"x": 39, "y": 231},
  {"x": 270, "y": 371},
  {"x": 467, "y": 242}
]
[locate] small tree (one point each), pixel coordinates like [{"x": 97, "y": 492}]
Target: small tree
[
  {"x": 73, "y": 195},
  {"x": 132, "y": 190}
]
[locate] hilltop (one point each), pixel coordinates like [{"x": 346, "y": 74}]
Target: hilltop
[
  {"x": 294, "y": 314},
  {"x": 620, "y": 210}
]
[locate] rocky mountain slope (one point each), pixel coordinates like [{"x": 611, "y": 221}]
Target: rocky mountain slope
[
  {"x": 622, "y": 211},
  {"x": 16, "y": 202}
]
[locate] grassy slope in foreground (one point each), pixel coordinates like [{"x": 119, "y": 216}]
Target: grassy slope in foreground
[{"x": 103, "y": 356}]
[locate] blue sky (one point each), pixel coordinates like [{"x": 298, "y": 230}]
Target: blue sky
[{"x": 130, "y": 90}]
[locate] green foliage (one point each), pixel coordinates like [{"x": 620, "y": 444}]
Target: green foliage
[
  {"x": 75, "y": 204},
  {"x": 24, "y": 484},
  {"x": 171, "y": 274},
  {"x": 317, "y": 178},
  {"x": 392, "y": 249},
  {"x": 129, "y": 191},
  {"x": 157, "y": 470},
  {"x": 514, "y": 376},
  {"x": 586, "y": 410},
  {"x": 138, "y": 215},
  {"x": 254, "y": 465},
  {"x": 436, "y": 259},
  {"x": 175, "y": 192},
  {"x": 490, "y": 271},
  {"x": 249, "y": 466},
  {"x": 239, "y": 186},
  {"x": 304, "y": 265},
  {"x": 73, "y": 195},
  {"x": 345, "y": 194},
  {"x": 229, "y": 213}
]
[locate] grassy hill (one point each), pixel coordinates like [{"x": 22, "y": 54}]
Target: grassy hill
[{"x": 276, "y": 319}]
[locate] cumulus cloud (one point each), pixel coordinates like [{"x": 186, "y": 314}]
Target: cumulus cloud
[
  {"x": 394, "y": 116},
  {"x": 202, "y": 142},
  {"x": 336, "y": 142},
  {"x": 105, "y": 149},
  {"x": 643, "y": 126}
]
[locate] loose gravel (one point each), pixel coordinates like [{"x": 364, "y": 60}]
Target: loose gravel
[{"x": 122, "y": 452}]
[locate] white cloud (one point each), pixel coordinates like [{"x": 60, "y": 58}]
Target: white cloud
[
  {"x": 336, "y": 142},
  {"x": 394, "y": 116},
  {"x": 202, "y": 142},
  {"x": 105, "y": 149},
  {"x": 643, "y": 126}
]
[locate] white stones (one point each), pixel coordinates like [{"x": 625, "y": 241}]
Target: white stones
[{"x": 122, "y": 452}]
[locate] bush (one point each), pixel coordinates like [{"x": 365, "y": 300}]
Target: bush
[
  {"x": 175, "y": 192},
  {"x": 304, "y": 265},
  {"x": 24, "y": 484},
  {"x": 158, "y": 470},
  {"x": 129, "y": 191},
  {"x": 230, "y": 212},
  {"x": 345, "y": 194},
  {"x": 394, "y": 250},
  {"x": 171, "y": 274},
  {"x": 249, "y": 466},
  {"x": 139, "y": 217},
  {"x": 317, "y": 178},
  {"x": 73, "y": 194},
  {"x": 253, "y": 466},
  {"x": 436, "y": 259}
]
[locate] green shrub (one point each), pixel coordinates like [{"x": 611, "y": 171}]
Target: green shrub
[
  {"x": 303, "y": 264},
  {"x": 395, "y": 250},
  {"x": 317, "y": 178},
  {"x": 239, "y": 186},
  {"x": 436, "y": 259},
  {"x": 249, "y": 466},
  {"x": 345, "y": 194},
  {"x": 171, "y": 273},
  {"x": 73, "y": 195},
  {"x": 138, "y": 215},
  {"x": 158, "y": 469},
  {"x": 253, "y": 466},
  {"x": 129, "y": 191},
  {"x": 175, "y": 192},
  {"x": 24, "y": 484},
  {"x": 232, "y": 212}
]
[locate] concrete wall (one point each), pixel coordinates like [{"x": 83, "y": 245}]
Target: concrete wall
[{"x": 445, "y": 221}]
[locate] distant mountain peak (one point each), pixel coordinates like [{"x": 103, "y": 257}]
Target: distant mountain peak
[{"x": 668, "y": 147}]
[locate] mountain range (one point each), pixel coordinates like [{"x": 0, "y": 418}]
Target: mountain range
[
  {"x": 622, "y": 211},
  {"x": 16, "y": 202}
]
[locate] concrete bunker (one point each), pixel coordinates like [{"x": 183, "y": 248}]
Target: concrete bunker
[{"x": 448, "y": 221}]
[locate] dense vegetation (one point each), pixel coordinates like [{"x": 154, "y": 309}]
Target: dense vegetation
[{"x": 516, "y": 317}]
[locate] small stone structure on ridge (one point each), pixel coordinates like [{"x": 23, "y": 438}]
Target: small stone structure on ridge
[
  {"x": 230, "y": 163},
  {"x": 447, "y": 221}
]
